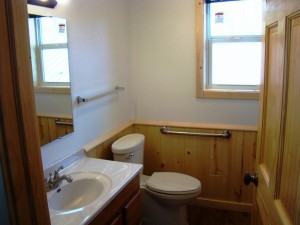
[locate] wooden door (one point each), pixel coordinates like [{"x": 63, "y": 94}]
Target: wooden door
[
  {"x": 278, "y": 152},
  {"x": 20, "y": 157}
]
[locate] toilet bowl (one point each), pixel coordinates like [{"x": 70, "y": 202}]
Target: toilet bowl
[{"x": 164, "y": 195}]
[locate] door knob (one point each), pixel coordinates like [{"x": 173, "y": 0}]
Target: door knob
[{"x": 248, "y": 178}]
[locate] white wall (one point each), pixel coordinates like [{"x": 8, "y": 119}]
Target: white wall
[
  {"x": 98, "y": 55},
  {"x": 163, "y": 67},
  {"x": 149, "y": 48}
]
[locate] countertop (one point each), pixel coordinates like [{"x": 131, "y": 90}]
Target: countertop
[{"x": 119, "y": 173}]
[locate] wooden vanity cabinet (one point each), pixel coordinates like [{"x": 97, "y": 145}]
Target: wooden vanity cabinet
[
  {"x": 132, "y": 211},
  {"x": 124, "y": 209},
  {"x": 118, "y": 220}
]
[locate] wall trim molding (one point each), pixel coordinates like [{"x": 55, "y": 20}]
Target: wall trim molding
[
  {"x": 98, "y": 141},
  {"x": 93, "y": 144}
]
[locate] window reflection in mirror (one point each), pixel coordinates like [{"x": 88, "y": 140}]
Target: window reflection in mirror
[{"x": 50, "y": 69}]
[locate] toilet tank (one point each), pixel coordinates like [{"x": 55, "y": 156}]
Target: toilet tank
[{"x": 129, "y": 148}]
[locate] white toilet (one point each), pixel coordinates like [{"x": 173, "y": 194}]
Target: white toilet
[{"x": 164, "y": 194}]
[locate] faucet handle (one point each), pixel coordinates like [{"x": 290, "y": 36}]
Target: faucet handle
[
  {"x": 56, "y": 175},
  {"x": 48, "y": 183},
  {"x": 58, "y": 169}
]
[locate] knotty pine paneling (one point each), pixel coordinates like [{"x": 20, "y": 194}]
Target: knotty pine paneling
[
  {"x": 50, "y": 131},
  {"x": 218, "y": 163},
  {"x": 103, "y": 150}
]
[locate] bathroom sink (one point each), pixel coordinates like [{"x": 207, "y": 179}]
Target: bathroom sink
[{"x": 86, "y": 188}]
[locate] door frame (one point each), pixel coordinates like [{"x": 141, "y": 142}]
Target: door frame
[{"x": 20, "y": 155}]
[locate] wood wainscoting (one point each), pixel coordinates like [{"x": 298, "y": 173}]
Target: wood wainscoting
[
  {"x": 49, "y": 130},
  {"x": 101, "y": 148},
  {"x": 217, "y": 162}
]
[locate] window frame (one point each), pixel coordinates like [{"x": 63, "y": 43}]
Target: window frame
[
  {"x": 40, "y": 86},
  {"x": 203, "y": 64}
]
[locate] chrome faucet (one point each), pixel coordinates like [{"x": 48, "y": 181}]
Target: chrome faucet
[{"x": 56, "y": 180}]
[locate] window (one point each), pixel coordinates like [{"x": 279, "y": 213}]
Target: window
[
  {"x": 49, "y": 51},
  {"x": 229, "y": 50}
]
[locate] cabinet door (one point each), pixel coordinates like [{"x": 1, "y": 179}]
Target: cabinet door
[
  {"x": 117, "y": 220},
  {"x": 132, "y": 211}
]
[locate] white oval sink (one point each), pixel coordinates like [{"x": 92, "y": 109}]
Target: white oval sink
[{"x": 85, "y": 189}]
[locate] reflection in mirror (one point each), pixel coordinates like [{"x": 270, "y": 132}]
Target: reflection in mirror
[{"x": 50, "y": 69}]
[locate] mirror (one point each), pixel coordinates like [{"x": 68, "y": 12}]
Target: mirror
[{"x": 50, "y": 69}]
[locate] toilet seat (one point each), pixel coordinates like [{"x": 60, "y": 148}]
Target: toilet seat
[{"x": 170, "y": 183}]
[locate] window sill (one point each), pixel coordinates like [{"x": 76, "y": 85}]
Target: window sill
[
  {"x": 228, "y": 94},
  {"x": 52, "y": 90}
]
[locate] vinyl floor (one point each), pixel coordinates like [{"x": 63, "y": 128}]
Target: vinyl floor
[{"x": 209, "y": 216}]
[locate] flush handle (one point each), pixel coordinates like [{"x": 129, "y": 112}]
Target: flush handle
[
  {"x": 130, "y": 155},
  {"x": 250, "y": 178}
]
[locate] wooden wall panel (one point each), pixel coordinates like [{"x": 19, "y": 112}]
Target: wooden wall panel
[
  {"x": 218, "y": 163},
  {"x": 249, "y": 156},
  {"x": 103, "y": 150},
  {"x": 43, "y": 130},
  {"x": 50, "y": 131}
]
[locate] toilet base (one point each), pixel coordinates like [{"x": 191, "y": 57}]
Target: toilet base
[{"x": 157, "y": 213}]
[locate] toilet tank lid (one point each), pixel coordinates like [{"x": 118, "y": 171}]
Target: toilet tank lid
[
  {"x": 128, "y": 143},
  {"x": 171, "y": 182}
]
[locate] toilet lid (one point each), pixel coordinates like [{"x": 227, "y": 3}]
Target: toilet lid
[{"x": 173, "y": 183}]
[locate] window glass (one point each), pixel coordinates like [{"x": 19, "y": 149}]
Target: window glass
[
  {"x": 52, "y": 39},
  {"x": 53, "y": 30},
  {"x": 55, "y": 65},
  {"x": 235, "y": 18},
  {"x": 236, "y": 63},
  {"x": 234, "y": 45}
]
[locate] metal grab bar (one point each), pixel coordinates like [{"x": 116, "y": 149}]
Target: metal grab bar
[
  {"x": 116, "y": 90},
  {"x": 225, "y": 134},
  {"x": 59, "y": 122}
]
